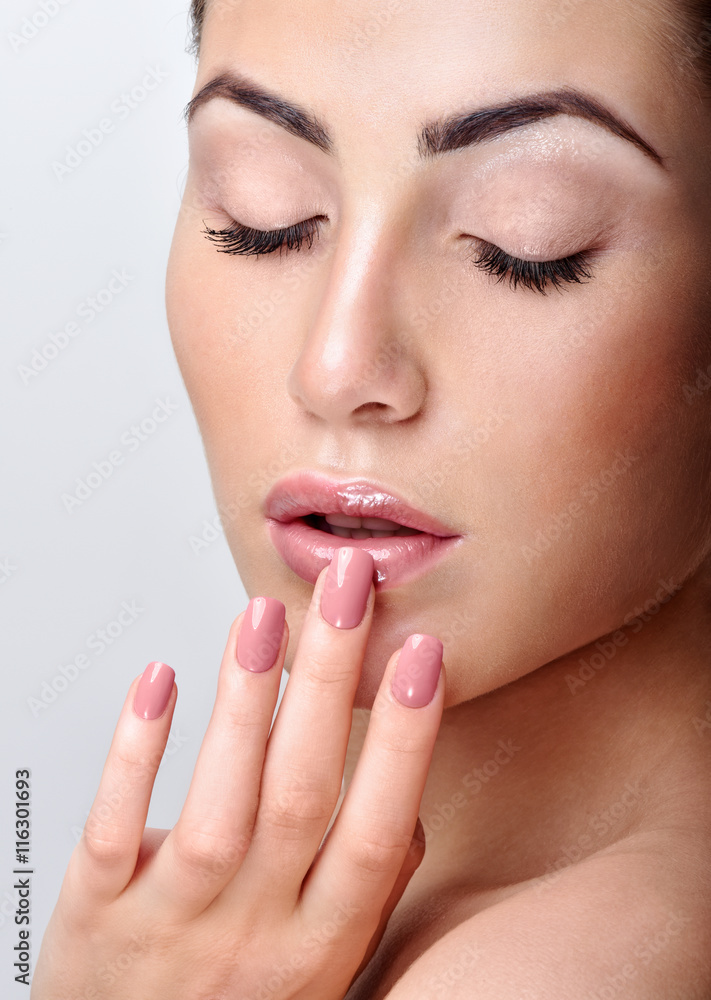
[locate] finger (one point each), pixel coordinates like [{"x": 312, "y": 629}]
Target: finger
[
  {"x": 357, "y": 869},
  {"x": 206, "y": 847},
  {"x": 104, "y": 859},
  {"x": 306, "y": 752},
  {"x": 413, "y": 860}
]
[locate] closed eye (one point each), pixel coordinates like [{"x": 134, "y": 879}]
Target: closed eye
[
  {"x": 239, "y": 239},
  {"x": 533, "y": 274}
]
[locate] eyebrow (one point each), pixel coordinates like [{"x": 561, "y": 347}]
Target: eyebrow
[{"x": 442, "y": 135}]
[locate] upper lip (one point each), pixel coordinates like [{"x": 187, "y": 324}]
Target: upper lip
[{"x": 303, "y": 493}]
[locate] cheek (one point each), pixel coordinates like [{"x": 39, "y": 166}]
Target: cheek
[
  {"x": 228, "y": 320},
  {"x": 605, "y": 481},
  {"x": 596, "y": 486},
  {"x": 191, "y": 319},
  {"x": 214, "y": 334}
]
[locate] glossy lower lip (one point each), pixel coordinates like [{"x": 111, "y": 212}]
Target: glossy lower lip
[{"x": 398, "y": 560}]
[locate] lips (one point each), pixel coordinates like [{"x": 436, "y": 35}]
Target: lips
[{"x": 404, "y": 542}]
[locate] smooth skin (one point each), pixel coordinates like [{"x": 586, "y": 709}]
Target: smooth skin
[
  {"x": 567, "y": 805},
  {"x": 240, "y": 892},
  {"x": 382, "y": 352}
]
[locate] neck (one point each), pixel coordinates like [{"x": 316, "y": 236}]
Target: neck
[{"x": 573, "y": 756}]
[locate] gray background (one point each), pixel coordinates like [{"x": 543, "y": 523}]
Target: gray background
[{"x": 67, "y": 573}]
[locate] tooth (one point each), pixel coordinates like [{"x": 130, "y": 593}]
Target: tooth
[
  {"x": 342, "y": 532},
  {"x": 380, "y": 524},
  {"x": 346, "y": 526},
  {"x": 343, "y": 521},
  {"x": 372, "y": 523}
]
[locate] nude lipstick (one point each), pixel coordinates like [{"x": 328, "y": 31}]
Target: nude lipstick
[{"x": 310, "y": 516}]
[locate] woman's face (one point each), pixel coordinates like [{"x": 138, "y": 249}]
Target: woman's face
[{"x": 552, "y": 431}]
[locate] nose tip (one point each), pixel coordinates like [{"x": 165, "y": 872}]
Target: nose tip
[
  {"x": 361, "y": 384},
  {"x": 357, "y": 364}
]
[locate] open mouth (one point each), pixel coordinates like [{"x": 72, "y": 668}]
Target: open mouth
[
  {"x": 404, "y": 546},
  {"x": 345, "y": 526},
  {"x": 308, "y": 542}
]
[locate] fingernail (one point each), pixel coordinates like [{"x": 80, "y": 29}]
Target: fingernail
[
  {"x": 153, "y": 690},
  {"x": 260, "y": 634},
  {"x": 415, "y": 680},
  {"x": 346, "y": 587}
]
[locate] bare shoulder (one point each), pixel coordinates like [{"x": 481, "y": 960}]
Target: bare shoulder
[{"x": 633, "y": 921}]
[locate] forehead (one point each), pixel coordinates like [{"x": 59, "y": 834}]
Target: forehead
[{"x": 365, "y": 65}]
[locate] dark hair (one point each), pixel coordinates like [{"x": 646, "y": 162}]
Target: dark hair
[
  {"x": 685, "y": 28},
  {"x": 196, "y": 21},
  {"x": 696, "y": 38}
]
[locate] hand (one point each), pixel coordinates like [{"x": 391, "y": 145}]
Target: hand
[{"x": 244, "y": 899}]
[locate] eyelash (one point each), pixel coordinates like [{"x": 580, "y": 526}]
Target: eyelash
[
  {"x": 239, "y": 239},
  {"x": 536, "y": 275}
]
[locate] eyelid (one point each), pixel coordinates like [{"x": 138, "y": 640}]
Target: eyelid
[
  {"x": 246, "y": 240},
  {"x": 237, "y": 238},
  {"x": 535, "y": 275}
]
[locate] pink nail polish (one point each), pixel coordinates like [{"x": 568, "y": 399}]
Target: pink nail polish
[
  {"x": 260, "y": 634},
  {"x": 346, "y": 587},
  {"x": 418, "y": 667},
  {"x": 153, "y": 690}
]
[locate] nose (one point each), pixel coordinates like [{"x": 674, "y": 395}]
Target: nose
[{"x": 359, "y": 362}]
